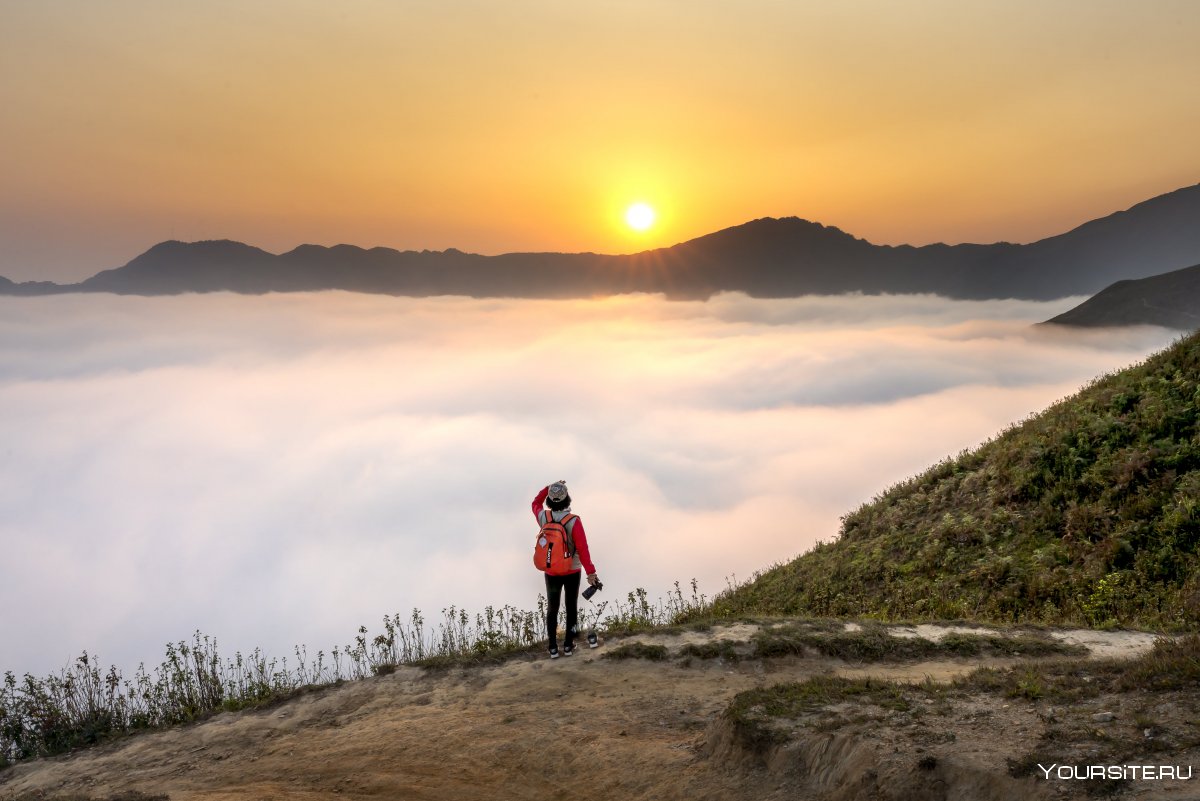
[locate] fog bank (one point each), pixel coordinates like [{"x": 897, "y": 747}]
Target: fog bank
[{"x": 278, "y": 470}]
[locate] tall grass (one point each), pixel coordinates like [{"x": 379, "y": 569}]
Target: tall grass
[{"x": 84, "y": 703}]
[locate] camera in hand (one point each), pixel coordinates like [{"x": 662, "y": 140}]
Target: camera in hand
[{"x": 592, "y": 590}]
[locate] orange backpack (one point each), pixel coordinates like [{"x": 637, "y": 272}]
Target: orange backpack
[{"x": 554, "y": 549}]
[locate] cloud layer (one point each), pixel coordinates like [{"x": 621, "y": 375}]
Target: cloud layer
[{"x": 278, "y": 470}]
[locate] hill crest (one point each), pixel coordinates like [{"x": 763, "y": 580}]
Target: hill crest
[{"x": 1170, "y": 300}]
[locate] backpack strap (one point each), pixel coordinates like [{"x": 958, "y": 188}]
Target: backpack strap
[{"x": 567, "y": 526}]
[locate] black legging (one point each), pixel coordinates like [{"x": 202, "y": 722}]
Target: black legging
[{"x": 554, "y": 585}]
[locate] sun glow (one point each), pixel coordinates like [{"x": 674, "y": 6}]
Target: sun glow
[{"x": 639, "y": 216}]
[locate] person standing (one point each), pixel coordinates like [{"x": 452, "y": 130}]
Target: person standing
[{"x": 554, "y": 503}]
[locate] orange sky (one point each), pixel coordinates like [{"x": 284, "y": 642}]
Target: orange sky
[{"x": 497, "y": 127}]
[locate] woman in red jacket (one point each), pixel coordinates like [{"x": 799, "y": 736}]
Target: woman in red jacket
[{"x": 555, "y": 497}]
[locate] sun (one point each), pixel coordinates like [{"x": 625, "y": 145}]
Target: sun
[{"x": 639, "y": 216}]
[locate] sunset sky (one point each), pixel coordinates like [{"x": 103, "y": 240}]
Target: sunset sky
[{"x": 499, "y": 127}]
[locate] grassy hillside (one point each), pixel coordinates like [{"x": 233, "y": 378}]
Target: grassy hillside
[{"x": 1088, "y": 512}]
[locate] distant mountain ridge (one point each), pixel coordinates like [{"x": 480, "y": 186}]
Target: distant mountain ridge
[
  {"x": 767, "y": 257},
  {"x": 1170, "y": 300}
]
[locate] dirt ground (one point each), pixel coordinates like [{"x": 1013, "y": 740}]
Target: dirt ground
[{"x": 595, "y": 728}]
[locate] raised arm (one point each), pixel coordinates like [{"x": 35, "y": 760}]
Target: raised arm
[{"x": 539, "y": 502}]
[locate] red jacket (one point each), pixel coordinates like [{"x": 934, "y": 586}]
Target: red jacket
[{"x": 577, "y": 533}]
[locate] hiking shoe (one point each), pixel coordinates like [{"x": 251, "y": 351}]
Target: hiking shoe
[
  {"x": 592, "y": 641},
  {"x": 568, "y": 649},
  {"x": 554, "y": 653}
]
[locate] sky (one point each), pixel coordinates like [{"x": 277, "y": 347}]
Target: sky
[
  {"x": 532, "y": 125},
  {"x": 278, "y": 470}
]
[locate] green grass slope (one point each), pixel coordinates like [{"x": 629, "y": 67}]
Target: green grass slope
[{"x": 1086, "y": 513}]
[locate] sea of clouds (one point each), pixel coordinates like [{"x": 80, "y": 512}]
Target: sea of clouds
[{"x": 278, "y": 470}]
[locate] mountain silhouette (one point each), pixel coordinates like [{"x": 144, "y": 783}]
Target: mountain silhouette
[
  {"x": 768, "y": 257},
  {"x": 1171, "y": 300}
]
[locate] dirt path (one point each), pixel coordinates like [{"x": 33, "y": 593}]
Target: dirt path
[{"x": 600, "y": 728}]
